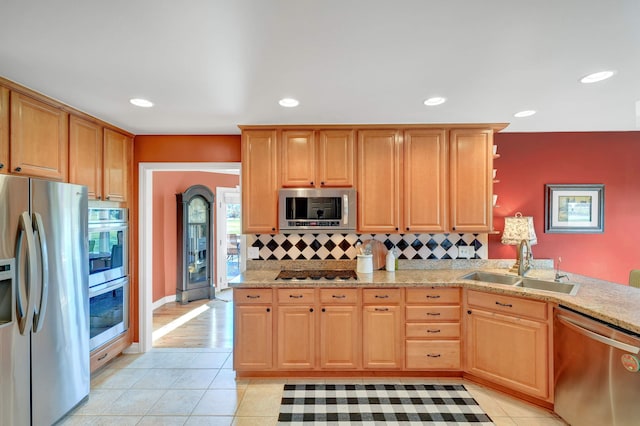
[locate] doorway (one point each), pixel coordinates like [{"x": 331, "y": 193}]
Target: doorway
[
  {"x": 145, "y": 238},
  {"x": 228, "y": 235}
]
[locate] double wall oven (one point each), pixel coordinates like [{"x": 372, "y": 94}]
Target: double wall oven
[{"x": 108, "y": 274}]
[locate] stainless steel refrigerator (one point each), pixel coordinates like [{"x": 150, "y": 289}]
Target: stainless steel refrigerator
[{"x": 44, "y": 301}]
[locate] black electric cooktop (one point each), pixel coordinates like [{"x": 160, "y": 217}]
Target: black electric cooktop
[{"x": 317, "y": 274}]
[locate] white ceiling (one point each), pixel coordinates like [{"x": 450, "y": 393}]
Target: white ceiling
[{"x": 209, "y": 65}]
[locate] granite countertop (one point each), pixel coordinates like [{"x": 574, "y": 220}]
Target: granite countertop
[{"x": 614, "y": 303}]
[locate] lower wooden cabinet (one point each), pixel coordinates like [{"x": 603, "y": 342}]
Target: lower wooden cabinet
[
  {"x": 382, "y": 329},
  {"x": 508, "y": 342},
  {"x": 340, "y": 337},
  {"x": 252, "y": 329}
]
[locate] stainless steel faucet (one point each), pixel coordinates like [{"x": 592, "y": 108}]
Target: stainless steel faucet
[
  {"x": 524, "y": 259},
  {"x": 559, "y": 276}
]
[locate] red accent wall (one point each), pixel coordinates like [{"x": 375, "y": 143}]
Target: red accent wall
[
  {"x": 165, "y": 245},
  {"x": 528, "y": 161}
]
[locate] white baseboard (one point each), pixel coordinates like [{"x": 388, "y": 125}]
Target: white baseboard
[{"x": 164, "y": 300}]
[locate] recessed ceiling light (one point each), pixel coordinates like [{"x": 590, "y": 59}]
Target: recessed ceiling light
[
  {"x": 141, "y": 102},
  {"x": 525, "y": 113},
  {"x": 289, "y": 102},
  {"x": 597, "y": 76},
  {"x": 436, "y": 100}
]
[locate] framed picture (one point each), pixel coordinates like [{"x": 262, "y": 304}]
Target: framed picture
[{"x": 577, "y": 208}]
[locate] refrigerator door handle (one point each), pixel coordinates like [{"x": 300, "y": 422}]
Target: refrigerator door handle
[
  {"x": 25, "y": 284},
  {"x": 575, "y": 325},
  {"x": 41, "y": 310}
]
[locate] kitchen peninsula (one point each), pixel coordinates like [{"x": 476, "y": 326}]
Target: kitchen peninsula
[{"x": 415, "y": 322}]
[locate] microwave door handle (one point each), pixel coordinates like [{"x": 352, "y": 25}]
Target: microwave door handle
[
  {"x": 40, "y": 313},
  {"x": 345, "y": 209}
]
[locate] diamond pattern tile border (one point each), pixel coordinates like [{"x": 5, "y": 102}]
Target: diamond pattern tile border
[{"x": 342, "y": 246}]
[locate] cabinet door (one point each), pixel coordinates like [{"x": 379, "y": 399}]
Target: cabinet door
[
  {"x": 509, "y": 351},
  {"x": 379, "y": 166},
  {"x": 85, "y": 155},
  {"x": 259, "y": 182},
  {"x": 425, "y": 180},
  {"x": 471, "y": 184},
  {"x": 252, "y": 347},
  {"x": 382, "y": 337},
  {"x": 4, "y": 130},
  {"x": 339, "y": 337},
  {"x": 39, "y": 139},
  {"x": 296, "y": 337},
  {"x": 116, "y": 158},
  {"x": 335, "y": 158},
  {"x": 298, "y": 158}
]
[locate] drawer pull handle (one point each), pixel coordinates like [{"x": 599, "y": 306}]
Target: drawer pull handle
[
  {"x": 433, "y": 314},
  {"x": 249, "y": 296},
  {"x": 433, "y": 355},
  {"x": 433, "y": 331},
  {"x": 338, "y": 296},
  {"x": 103, "y": 356},
  {"x": 296, "y": 296},
  {"x": 433, "y": 297},
  {"x": 382, "y": 296},
  {"x": 382, "y": 309},
  {"x": 506, "y": 305}
]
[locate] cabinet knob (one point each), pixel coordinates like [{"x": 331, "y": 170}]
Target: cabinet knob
[
  {"x": 107, "y": 197},
  {"x": 324, "y": 310},
  {"x": 321, "y": 183},
  {"x": 310, "y": 309},
  {"x": 273, "y": 229},
  {"x": 408, "y": 229},
  {"x": 99, "y": 197},
  {"x": 397, "y": 228},
  {"x": 268, "y": 309},
  {"x": 18, "y": 169},
  {"x": 469, "y": 311},
  {"x": 311, "y": 183},
  {"x": 1, "y": 165}
]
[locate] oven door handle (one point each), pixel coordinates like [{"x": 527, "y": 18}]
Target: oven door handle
[{"x": 99, "y": 289}]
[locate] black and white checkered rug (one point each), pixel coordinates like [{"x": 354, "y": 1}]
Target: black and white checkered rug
[{"x": 377, "y": 404}]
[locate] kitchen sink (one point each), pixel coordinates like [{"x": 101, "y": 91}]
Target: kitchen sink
[
  {"x": 490, "y": 277},
  {"x": 557, "y": 287}
]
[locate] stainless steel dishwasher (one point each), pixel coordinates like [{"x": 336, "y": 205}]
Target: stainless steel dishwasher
[{"x": 596, "y": 371}]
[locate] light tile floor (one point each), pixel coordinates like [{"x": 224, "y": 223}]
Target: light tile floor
[{"x": 197, "y": 386}]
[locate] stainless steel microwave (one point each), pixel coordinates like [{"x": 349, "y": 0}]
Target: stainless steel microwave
[{"x": 326, "y": 209}]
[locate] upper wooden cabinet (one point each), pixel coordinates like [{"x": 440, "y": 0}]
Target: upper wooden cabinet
[
  {"x": 425, "y": 180},
  {"x": 259, "y": 182},
  {"x": 4, "y": 130},
  {"x": 116, "y": 157},
  {"x": 85, "y": 155},
  {"x": 471, "y": 181},
  {"x": 39, "y": 138},
  {"x": 319, "y": 159},
  {"x": 379, "y": 170}
]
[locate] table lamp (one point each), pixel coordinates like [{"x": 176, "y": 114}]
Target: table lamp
[{"x": 518, "y": 230}]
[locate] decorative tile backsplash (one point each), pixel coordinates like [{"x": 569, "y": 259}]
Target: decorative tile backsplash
[{"x": 342, "y": 246}]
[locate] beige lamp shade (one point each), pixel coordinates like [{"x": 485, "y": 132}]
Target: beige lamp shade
[{"x": 518, "y": 228}]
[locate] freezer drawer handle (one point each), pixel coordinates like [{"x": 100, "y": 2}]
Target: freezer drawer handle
[
  {"x": 40, "y": 313},
  {"x": 597, "y": 337},
  {"x": 25, "y": 287}
]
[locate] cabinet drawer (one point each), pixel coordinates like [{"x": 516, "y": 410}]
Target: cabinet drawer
[
  {"x": 433, "y": 330},
  {"x": 433, "y": 354},
  {"x": 339, "y": 295},
  {"x": 296, "y": 295},
  {"x": 508, "y": 304},
  {"x": 252, "y": 295},
  {"x": 381, "y": 296},
  {"x": 433, "y": 295},
  {"x": 433, "y": 313}
]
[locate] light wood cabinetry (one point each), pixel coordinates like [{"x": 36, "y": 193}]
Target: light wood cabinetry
[
  {"x": 85, "y": 155},
  {"x": 319, "y": 159},
  {"x": 253, "y": 329},
  {"x": 340, "y": 334},
  {"x": 296, "y": 329},
  {"x": 425, "y": 180},
  {"x": 4, "y": 130},
  {"x": 471, "y": 180},
  {"x": 382, "y": 334},
  {"x": 116, "y": 158},
  {"x": 379, "y": 172},
  {"x": 433, "y": 329},
  {"x": 508, "y": 342},
  {"x": 259, "y": 182},
  {"x": 38, "y": 138}
]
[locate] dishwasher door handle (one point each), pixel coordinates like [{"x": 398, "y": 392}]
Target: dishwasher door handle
[{"x": 575, "y": 325}]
